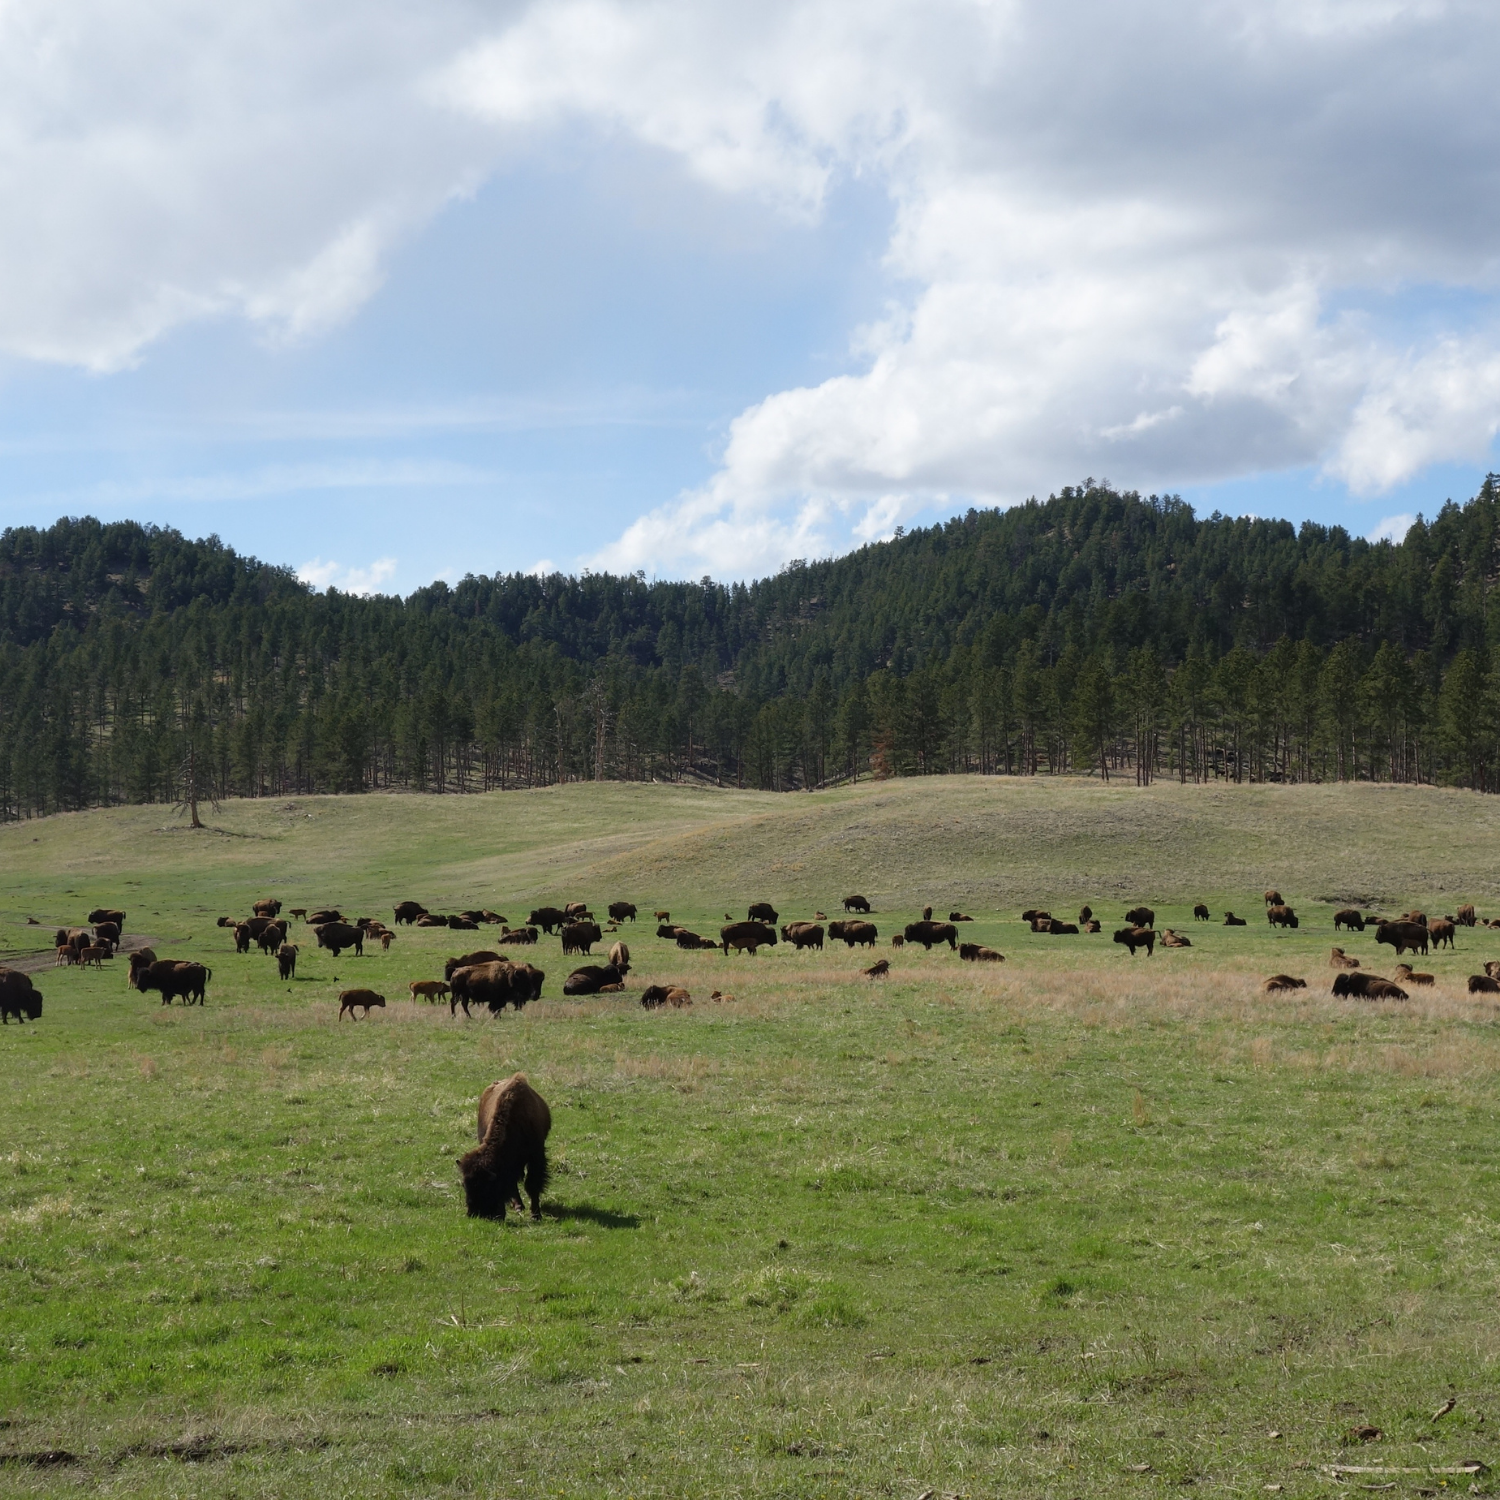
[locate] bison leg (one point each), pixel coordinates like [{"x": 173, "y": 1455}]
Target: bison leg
[{"x": 536, "y": 1180}]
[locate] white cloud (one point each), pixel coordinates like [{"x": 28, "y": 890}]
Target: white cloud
[
  {"x": 327, "y": 575},
  {"x": 1392, "y": 529}
]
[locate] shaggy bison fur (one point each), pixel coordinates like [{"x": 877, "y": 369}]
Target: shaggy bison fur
[
  {"x": 928, "y": 932},
  {"x": 336, "y": 936},
  {"x": 1141, "y": 916},
  {"x": 1483, "y": 984},
  {"x": 1361, "y": 986},
  {"x": 856, "y": 903},
  {"x": 286, "y": 960},
  {"x": 514, "y": 1123},
  {"x": 1403, "y": 935},
  {"x": 1137, "y": 937},
  {"x": 803, "y": 935},
  {"x": 19, "y": 997},
  {"x": 173, "y": 979},
  {"x": 751, "y": 935},
  {"x": 480, "y": 956},
  {"x": 1349, "y": 918},
  {"x": 853, "y": 933},
  {"x": 593, "y": 979}
]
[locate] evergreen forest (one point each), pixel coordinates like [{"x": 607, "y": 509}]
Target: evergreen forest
[{"x": 1098, "y": 632}]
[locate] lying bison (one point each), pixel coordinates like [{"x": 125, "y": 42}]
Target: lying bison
[
  {"x": 1279, "y": 982},
  {"x": 1405, "y": 974},
  {"x": 514, "y": 1122},
  {"x": 1137, "y": 937},
  {"x": 1170, "y": 939},
  {"x": 856, "y": 903},
  {"x": 1230, "y": 920},
  {"x": 621, "y": 911},
  {"x": 594, "y": 979},
  {"x": 336, "y": 936},
  {"x": 803, "y": 935},
  {"x": 748, "y": 935},
  {"x": 1483, "y": 984},
  {"x": 654, "y": 996},
  {"x": 1362, "y": 986},
  {"x": 173, "y": 979},
  {"x": 1338, "y": 959},
  {"x": 1403, "y": 935},
  {"x": 19, "y": 997},
  {"x": 1141, "y": 916},
  {"x": 691, "y": 942},
  {"x": 977, "y": 953},
  {"x": 524, "y": 935},
  {"x": 324, "y": 914},
  {"x": 364, "y": 999},
  {"x": 928, "y": 932},
  {"x": 1349, "y": 918},
  {"x": 853, "y": 933}
]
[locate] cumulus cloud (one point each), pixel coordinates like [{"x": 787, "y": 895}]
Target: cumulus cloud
[
  {"x": 1392, "y": 529},
  {"x": 334, "y": 575},
  {"x": 1171, "y": 242}
]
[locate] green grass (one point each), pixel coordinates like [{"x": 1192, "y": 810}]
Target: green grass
[{"x": 1011, "y": 1231}]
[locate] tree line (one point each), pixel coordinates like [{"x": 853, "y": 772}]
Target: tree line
[{"x": 1095, "y": 632}]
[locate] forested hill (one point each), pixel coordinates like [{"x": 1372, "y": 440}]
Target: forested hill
[{"x": 1097, "y": 629}]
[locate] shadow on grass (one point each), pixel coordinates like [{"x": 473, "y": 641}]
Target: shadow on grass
[{"x": 603, "y": 1217}]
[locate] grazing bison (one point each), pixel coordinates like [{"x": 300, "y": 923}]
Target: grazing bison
[
  {"x": 286, "y": 960},
  {"x": 1349, "y": 918},
  {"x": 547, "y": 917},
  {"x": 481, "y": 956},
  {"x": 19, "y": 997},
  {"x": 619, "y": 956},
  {"x": 1283, "y": 982},
  {"x": 1338, "y": 959},
  {"x": 1405, "y": 975},
  {"x": 927, "y": 932},
  {"x": 1441, "y": 931},
  {"x": 324, "y": 914},
  {"x": 1466, "y": 916},
  {"x": 1141, "y": 916},
  {"x": 1085, "y": 913},
  {"x": 1170, "y": 939},
  {"x": 1137, "y": 937},
  {"x": 580, "y": 937},
  {"x": 366, "y": 1000},
  {"x": 803, "y": 935},
  {"x": 1363, "y": 986},
  {"x": 593, "y": 979},
  {"x": 518, "y": 935},
  {"x": 621, "y": 911},
  {"x": 1403, "y": 935},
  {"x": 173, "y": 979},
  {"x": 751, "y": 935},
  {"x": 111, "y": 914},
  {"x": 494, "y": 985},
  {"x": 409, "y": 911},
  {"x": 856, "y": 903},
  {"x": 1281, "y": 916},
  {"x": 762, "y": 911},
  {"x": 1230, "y": 920},
  {"x": 1483, "y": 984},
  {"x": 977, "y": 953},
  {"x": 1273, "y": 898},
  {"x": 336, "y": 936},
  {"x": 430, "y": 990},
  {"x": 242, "y": 938},
  {"x": 853, "y": 933},
  {"x": 514, "y": 1123},
  {"x": 1200, "y": 913}
]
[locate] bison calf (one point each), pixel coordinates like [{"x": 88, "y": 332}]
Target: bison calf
[
  {"x": 366, "y": 1000},
  {"x": 1282, "y": 982},
  {"x": 430, "y": 990},
  {"x": 286, "y": 960}
]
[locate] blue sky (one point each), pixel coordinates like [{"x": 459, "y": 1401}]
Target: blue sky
[{"x": 590, "y": 284}]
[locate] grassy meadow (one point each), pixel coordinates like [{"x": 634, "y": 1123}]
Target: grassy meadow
[{"x": 1074, "y": 1224}]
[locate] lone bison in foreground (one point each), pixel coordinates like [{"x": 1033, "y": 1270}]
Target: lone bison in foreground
[
  {"x": 19, "y": 997},
  {"x": 1137, "y": 937},
  {"x": 514, "y": 1123},
  {"x": 927, "y": 932}
]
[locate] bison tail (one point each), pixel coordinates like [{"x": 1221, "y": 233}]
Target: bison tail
[{"x": 538, "y": 1173}]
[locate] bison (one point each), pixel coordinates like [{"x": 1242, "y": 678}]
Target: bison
[
  {"x": 856, "y": 903},
  {"x": 762, "y": 911},
  {"x": 751, "y": 935},
  {"x": 518, "y": 935},
  {"x": 1141, "y": 916},
  {"x": 1466, "y": 916},
  {"x": 927, "y": 932},
  {"x": 173, "y": 979},
  {"x": 1170, "y": 939},
  {"x": 1349, "y": 918},
  {"x": 1085, "y": 913},
  {"x": 619, "y": 956},
  {"x": 593, "y": 979},
  {"x": 1403, "y": 935},
  {"x": 267, "y": 908},
  {"x": 958, "y": 916},
  {"x": 108, "y": 914},
  {"x": 108, "y": 932},
  {"x": 1063, "y": 929},
  {"x": 366, "y": 1000},
  {"x": 690, "y": 941},
  {"x": 1483, "y": 984},
  {"x": 286, "y": 960},
  {"x": 1405, "y": 975},
  {"x": 977, "y": 953},
  {"x": 94, "y": 954},
  {"x": 430, "y": 990},
  {"x": 336, "y": 936},
  {"x": 432, "y": 919},
  {"x": 878, "y": 970},
  {"x": 514, "y": 1123},
  {"x": 657, "y": 995},
  {"x": 621, "y": 911},
  {"x": 1200, "y": 913},
  {"x": 494, "y": 985},
  {"x": 139, "y": 960},
  {"x": 1338, "y": 959},
  {"x": 1281, "y": 916},
  {"x": 580, "y": 937},
  {"x": 1282, "y": 982},
  {"x": 1441, "y": 931},
  {"x": 1273, "y": 898},
  {"x": 324, "y": 914},
  {"x": 1137, "y": 937},
  {"x": 1362, "y": 986},
  {"x": 409, "y": 911},
  {"x": 242, "y": 938},
  {"x": 19, "y": 997},
  {"x": 1036, "y": 914},
  {"x": 803, "y": 935},
  {"x": 480, "y": 956},
  {"x": 272, "y": 937},
  {"x": 547, "y": 917},
  {"x": 1093, "y": 925},
  {"x": 1230, "y": 920}
]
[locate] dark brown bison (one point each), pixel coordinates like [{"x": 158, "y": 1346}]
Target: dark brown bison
[
  {"x": 463, "y": 924},
  {"x": 1062, "y": 929},
  {"x": 286, "y": 960},
  {"x": 494, "y": 985},
  {"x": 751, "y": 935},
  {"x": 1466, "y": 916},
  {"x": 803, "y": 935},
  {"x": 518, "y": 935},
  {"x": 668, "y": 931},
  {"x": 1200, "y": 913},
  {"x": 495, "y": 919},
  {"x": 242, "y": 938},
  {"x": 272, "y": 936},
  {"x": 1085, "y": 913},
  {"x": 112, "y": 914},
  {"x": 173, "y": 979},
  {"x": 575, "y": 909},
  {"x": 1362, "y": 986},
  {"x": 762, "y": 911},
  {"x": 138, "y": 961},
  {"x": 656, "y": 995},
  {"x": 1338, "y": 959},
  {"x": 1230, "y": 920},
  {"x": 1415, "y": 916},
  {"x": 690, "y": 942},
  {"x": 266, "y": 908},
  {"x": 1281, "y": 916},
  {"x": 621, "y": 911},
  {"x": 1440, "y": 930},
  {"x": 856, "y": 903},
  {"x": 927, "y": 932},
  {"x": 1036, "y": 914},
  {"x": 1403, "y": 935},
  {"x": 1093, "y": 925},
  {"x": 19, "y": 997},
  {"x": 324, "y": 914},
  {"x": 1406, "y": 975},
  {"x": 1137, "y": 937},
  {"x": 1349, "y": 918},
  {"x": 1273, "y": 898},
  {"x": 592, "y": 979},
  {"x": 853, "y": 933},
  {"x": 1282, "y": 982},
  {"x": 977, "y": 953},
  {"x": 514, "y": 1123},
  {"x": 958, "y": 916},
  {"x": 432, "y": 919},
  {"x": 547, "y": 917},
  {"x": 878, "y": 970},
  {"x": 481, "y": 956},
  {"x": 580, "y": 937},
  {"x": 364, "y": 999},
  {"x": 107, "y": 932},
  {"x": 336, "y": 936},
  {"x": 409, "y": 911},
  {"x": 1141, "y": 916},
  {"x": 1483, "y": 984}
]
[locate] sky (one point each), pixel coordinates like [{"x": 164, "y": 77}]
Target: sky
[{"x": 388, "y": 293}]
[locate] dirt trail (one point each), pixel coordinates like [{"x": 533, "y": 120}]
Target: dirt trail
[{"x": 46, "y": 958}]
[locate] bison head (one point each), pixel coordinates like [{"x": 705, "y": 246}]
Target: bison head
[{"x": 484, "y": 1190}]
